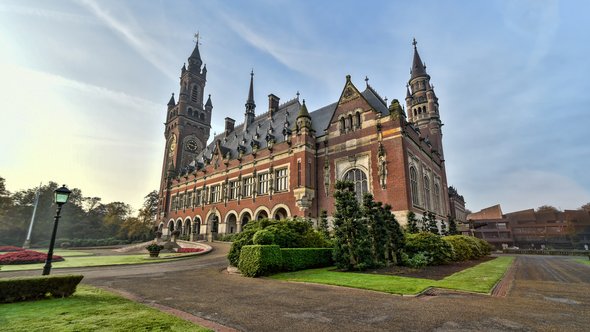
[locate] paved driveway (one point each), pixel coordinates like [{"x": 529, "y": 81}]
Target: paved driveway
[{"x": 536, "y": 302}]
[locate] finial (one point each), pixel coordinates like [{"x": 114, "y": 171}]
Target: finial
[
  {"x": 252, "y": 72},
  {"x": 297, "y": 94},
  {"x": 197, "y": 38},
  {"x": 385, "y": 99},
  {"x": 414, "y": 42},
  {"x": 367, "y": 80}
]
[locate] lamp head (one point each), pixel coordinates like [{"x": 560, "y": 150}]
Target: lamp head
[{"x": 61, "y": 195}]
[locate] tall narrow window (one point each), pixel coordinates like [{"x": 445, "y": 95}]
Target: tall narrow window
[
  {"x": 233, "y": 189},
  {"x": 308, "y": 175},
  {"x": 358, "y": 119},
  {"x": 350, "y": 125},
  {"x": 359, "y": 179},
  {"x": 281, "y": 180},
  {"x": 189, "y": 199},
  {"x": 214, "y": 194},
  {"x": 195, "y": 94},
  {"x": 247, "y": 186},
  {"x": 263, "y": 183},
  {"x": 199, "y": 197},
  {"x": 298, "y": 173},
  {"x": 426, "y": 193},
  {"x": 436, "y": 198},
  {"x": 414, "y": 185}
]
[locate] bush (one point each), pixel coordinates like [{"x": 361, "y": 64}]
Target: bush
[
  {"x": 65, "y": 245},
  {"x": 26, "y": 257},
  {"x": 438, "y": 250},
  {"x": 295, "y": 259},
  {"x": 263, "y": 237},
  {"x": 259, "y": 260},
  {"x": 10, "y": 248},
  {"x": 227, "y": 237},
  {"x": 32, "y": 288},
  {"x": 290, "y": 233},
  {"x": 463, "y": 249},
  {"x": 418, "y": 260}
]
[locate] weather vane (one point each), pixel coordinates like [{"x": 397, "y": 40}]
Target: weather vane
[{"x": 198, "y": 38}]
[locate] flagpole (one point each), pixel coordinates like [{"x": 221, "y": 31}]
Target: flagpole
[{"x": 27, "y": 243}]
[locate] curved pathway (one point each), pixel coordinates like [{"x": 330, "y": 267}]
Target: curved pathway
[{"x": 199, "y": 286}]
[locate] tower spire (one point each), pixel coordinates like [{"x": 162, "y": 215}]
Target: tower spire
[
  {"x": 250, "y": 104},
  {"x": 194, "y": 60},
  {"x": 418, "y": 68}
]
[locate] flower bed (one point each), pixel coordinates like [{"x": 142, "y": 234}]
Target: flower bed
[
  {"x": 10, "y": 248},
  {"x": 185, "y": 250},
  {"x": 26, "y": 257}
]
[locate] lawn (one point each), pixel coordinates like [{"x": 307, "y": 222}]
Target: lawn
[
  {"x": 61, "y": 252},
  {"x": 582, "y": 260},
  {"x": 83, "y": 261},
  {"x": 480, "y": 278},
  {"x": 89, "y": 309}
]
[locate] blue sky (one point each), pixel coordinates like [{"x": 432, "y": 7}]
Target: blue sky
[{"x": 84, "y": 84}]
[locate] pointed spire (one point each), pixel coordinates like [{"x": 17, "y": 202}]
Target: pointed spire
[
  {"x": 209, "y": 103},
  {"x": 250, "y": 104},
  {"x": 251, "y": 92},
  {"x": 418, "y": 68},
  {"x": 194, "y": 61},
  {"x": 171, "y": 102},
  {"x": 303, "y": 113}
]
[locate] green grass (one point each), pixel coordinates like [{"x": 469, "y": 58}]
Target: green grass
[
  {"x": 84, "y": 261},
  {"x": 66, "y": 252},
  {"x": 480, "y": 278},
  {"x": 582, "y": 260},
  {"x": 89, "y": 309}
]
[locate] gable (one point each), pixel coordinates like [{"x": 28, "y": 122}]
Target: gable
[{"x": 351, "y": 99}]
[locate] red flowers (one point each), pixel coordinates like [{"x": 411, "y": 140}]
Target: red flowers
[
  {"x": 185, "y": 250},
  {"x": 26, "y": 257},
  {"x": 10, "y": 248}
]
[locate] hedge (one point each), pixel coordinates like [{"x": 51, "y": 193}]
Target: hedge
[
  {"x": 467, "y": 247},
  {"x": 33, "y": 288},
  {"x": 259, "y": 260},
  {"x": 295, "y": 259}
]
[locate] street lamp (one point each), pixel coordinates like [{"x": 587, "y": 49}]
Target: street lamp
[{"x": 61, "y": 196}]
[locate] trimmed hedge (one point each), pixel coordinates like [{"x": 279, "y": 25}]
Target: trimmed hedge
[
  {"x": 33, "y": 288},
  {"x": 295, "y": 259},
  {"x": 259, "y": 260},
  {"x": 432, "y": 245},
  {"x": 467, "y": 247}
]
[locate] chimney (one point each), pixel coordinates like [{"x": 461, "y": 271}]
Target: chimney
[
  {"x": 273, "y": 104},
  {"x": 229, "y": 125}
]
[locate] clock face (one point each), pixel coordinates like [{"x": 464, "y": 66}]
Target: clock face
[{"x": 191, "y": 145}]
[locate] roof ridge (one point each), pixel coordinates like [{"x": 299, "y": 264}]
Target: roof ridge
[{"x": 376, "y": 94}]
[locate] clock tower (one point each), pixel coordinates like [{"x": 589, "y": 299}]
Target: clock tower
[{"x": 188, "y": 120}]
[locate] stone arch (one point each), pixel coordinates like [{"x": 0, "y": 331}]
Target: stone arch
[
  {"x": 244, "y": 218},
  {"x": 212, "y": 221},
  {"x": 170, "y": 225},
  {"x": 178, "y": 226},
  {"x": 280, "y": 211},
  {"x": 197, "y": 225},
  {"x": 231, "y": 222},
  {"x": 161, "y": 226},
  {"x": 186, "y": 228},
  {"x": 261, "y": 213}
]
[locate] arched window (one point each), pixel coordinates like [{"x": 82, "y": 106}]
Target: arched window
[
  {"x": 342, "y": 126},
  {"x": 195, "y": 94},
  {"x": 359, "y": 179},
  {"x": 202, "y": 116},
  {"x": 414, "y": 185},
  {"x": 190, "y": 111},
  {"x": 358, "y": 119},
  {"x": 350, "y": 125},
  {"x": 426, "y": 193},
  {"x": 436, "y": 198}
]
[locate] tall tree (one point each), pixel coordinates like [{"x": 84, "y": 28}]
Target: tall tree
[
  {"x": 547, "y": 208},
  {"x": 373, "y": 214},
  {"x": 453, "y": 226},
  {"x": 585, "y": 207},
  {"x": 395, "y": 235},
  {"x": 352, "y": 249},
  {"x": 323, "y": 225}
]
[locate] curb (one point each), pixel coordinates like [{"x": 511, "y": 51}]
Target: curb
[{"x": 503, "y": 286}]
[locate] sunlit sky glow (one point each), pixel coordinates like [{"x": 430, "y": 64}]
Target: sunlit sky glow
[{"x": 84, "y": 84}]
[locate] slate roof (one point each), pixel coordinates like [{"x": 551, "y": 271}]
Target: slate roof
[{"x": 263, "y": 129}]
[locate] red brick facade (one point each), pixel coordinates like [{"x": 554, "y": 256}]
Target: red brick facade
[{"x": 294, "y": 157}]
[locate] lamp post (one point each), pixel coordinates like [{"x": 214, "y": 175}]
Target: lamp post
[{"x": 61, "y": 196}]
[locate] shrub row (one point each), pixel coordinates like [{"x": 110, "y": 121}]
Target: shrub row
[
  {"x": 432, "y": 246},
  {"x": 467, "y": 247},
  {"x": 259, "y": 260},
  {"x": 295, "y": 259},
  {"x": 26, "y": 257},
  {"x": 10, "y": 248},
  {"x": 67, "y": 243},
  {"x": 32, "y": 288}
]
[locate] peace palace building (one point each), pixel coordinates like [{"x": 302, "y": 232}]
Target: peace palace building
[{"x": 285, "y": 162}]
